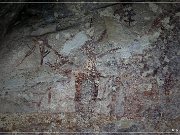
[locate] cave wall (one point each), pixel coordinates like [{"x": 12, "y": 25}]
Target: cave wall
[{"x": 91, "y": 68}]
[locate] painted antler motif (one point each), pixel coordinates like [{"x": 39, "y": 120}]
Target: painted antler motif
[
  {"x": 129, "y": 13},
  {"x": 28, "y": 53}
]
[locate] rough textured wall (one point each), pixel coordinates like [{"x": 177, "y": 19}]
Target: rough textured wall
[{"x": 92, "y": 68}]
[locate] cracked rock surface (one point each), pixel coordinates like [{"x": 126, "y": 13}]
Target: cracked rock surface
[{"x": 112, "y": 69}]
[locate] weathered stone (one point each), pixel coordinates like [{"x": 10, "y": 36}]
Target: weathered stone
[
  {"x": 77, "y": 42},
  {"x": 106, "y": 74}
]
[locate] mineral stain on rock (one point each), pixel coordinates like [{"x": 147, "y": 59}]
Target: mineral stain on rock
[
  {"x": 112, "y": 68},
  {"x": 76, "y": 43}
]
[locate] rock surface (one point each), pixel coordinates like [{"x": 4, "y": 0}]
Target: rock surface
[{"x": 106, "y": 74}]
